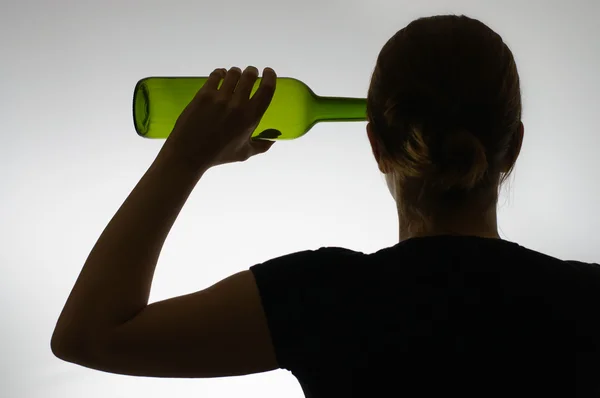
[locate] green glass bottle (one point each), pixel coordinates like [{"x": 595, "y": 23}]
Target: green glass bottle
[{"x": 294, "y": 110}]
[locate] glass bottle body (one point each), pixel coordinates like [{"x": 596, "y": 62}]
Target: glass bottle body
[{"x": 294, "y": 110}]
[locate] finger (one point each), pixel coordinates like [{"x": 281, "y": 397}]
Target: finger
[
  {"x": 246, "y": 84},
  {"x": 262, "y": 98},
  {"x": 260, "y": 146},
  {"x": 231, "y": 81},
  {"x": 212, "y": 83},
  {"x": 268, "y": 134}
]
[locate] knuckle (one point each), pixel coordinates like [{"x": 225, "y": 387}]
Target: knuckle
[
  {"x": 219, "y": 100},
  {"x": 236, "y": 108},
  {"x": 269, "y": 86},
  {"x": 269, "y": 92},
  {"x": 205, "y": 96}
]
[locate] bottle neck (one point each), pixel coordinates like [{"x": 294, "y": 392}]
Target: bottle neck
[{"x": 339, "y": 109}]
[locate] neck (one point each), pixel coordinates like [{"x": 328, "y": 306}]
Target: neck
[{"x": 462, "y": 223}]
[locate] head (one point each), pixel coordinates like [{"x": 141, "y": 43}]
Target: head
[{"x": 444, "y": 111}]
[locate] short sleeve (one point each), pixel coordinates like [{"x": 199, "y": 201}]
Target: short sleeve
[{"x": 298, "y": 292}]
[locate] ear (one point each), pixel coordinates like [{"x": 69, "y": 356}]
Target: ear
[
  {"x": 516, "y": 146},
  {"x": 375, "y": 149},
  {"x": 520, "y": 136}
]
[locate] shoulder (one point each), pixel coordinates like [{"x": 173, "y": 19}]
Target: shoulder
[{"x": 300, "y": 263}]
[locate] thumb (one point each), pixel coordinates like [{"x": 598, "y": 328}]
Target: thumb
[
  {"x": 261, "y": 143},
  {"x": 261, "y": 146},
  {"x": 268, "y": 134}
]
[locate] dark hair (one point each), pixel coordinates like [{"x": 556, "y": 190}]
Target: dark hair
[{"x": 445, "y": 107}]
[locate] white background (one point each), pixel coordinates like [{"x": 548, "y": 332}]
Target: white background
[{"x": 70, "y": 155}]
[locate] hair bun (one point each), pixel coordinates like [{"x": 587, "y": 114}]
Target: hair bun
[{"x": 463, "y": 163}]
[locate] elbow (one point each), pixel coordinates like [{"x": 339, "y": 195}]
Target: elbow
[
  {"x": 58, "y": 348},
  {"x": 66, "y": 349}
]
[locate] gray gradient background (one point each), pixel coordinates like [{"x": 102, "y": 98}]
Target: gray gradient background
[{"x": 70, "y": 155}]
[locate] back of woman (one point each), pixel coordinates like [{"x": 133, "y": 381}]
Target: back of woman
[{"x": 452, "y": 309}]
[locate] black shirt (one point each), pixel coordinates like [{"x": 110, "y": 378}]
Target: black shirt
[{"x": 434, "y": 317}]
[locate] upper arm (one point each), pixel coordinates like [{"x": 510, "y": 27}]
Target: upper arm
[{"x": 220, "y": 331}]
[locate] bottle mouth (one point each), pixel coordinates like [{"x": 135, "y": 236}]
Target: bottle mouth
[{"x": 141, "y": 107}]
